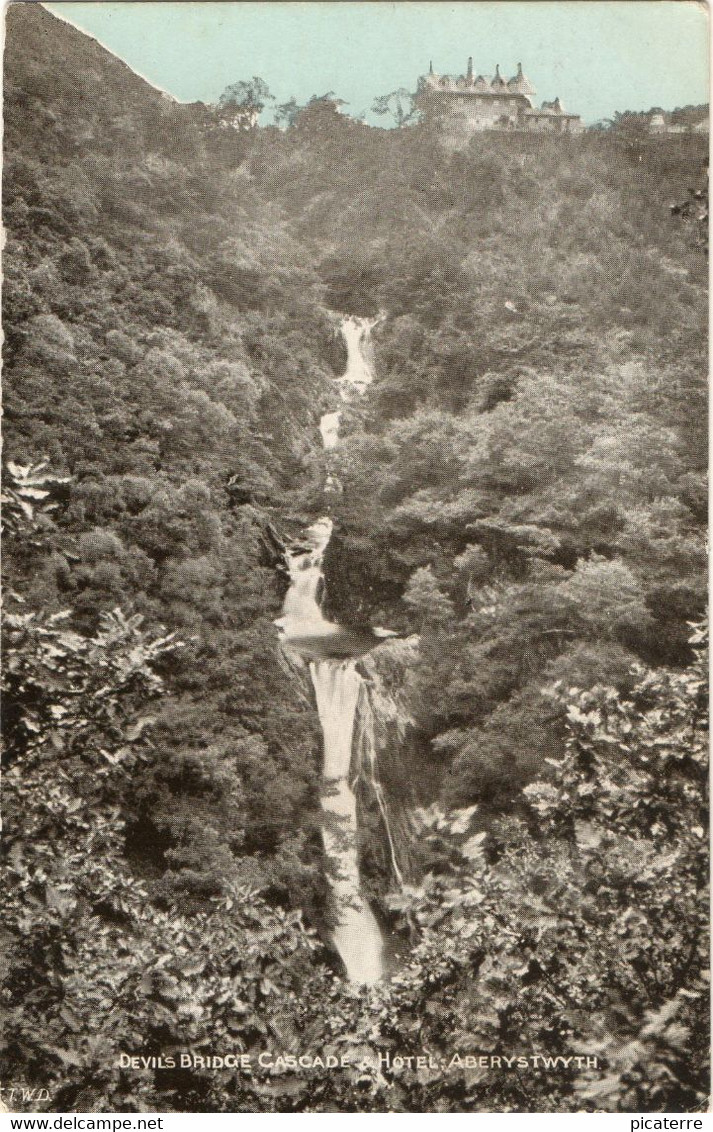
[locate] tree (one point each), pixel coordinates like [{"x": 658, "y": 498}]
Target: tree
[
  {"x": 426, "y": 598},
  {"x": 582, "y": 929},
  {"x": 27, "y": 488},
  {"x": 399, "y": 104},
  {"x": 287, "y": 113},
  {"x": 241, "y": 104},
  {"x": 322, "y": 114},
  {"x": 631, "y": 123},
  {"x": 538, "y": 479}
]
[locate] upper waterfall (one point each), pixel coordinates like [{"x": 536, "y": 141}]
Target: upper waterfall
[
  {"x": 302, "y": 625},
  {"x": 360, "y": 367}
]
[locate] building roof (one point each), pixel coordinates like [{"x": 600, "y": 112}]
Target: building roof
[
  {"x": 553, "y": 109},
  {"x": 497, "y": 82},
  {"x": 518, "y": 87},
  {"x": 520, "y": 84},
  {"x": 464, "y": 84}
]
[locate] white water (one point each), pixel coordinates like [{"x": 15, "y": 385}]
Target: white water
[
  {"x": 337, "y": 687},
  {"x": 367, "y": 756},
  {"x": 301, "y": 604},
  {"x": 357, "y": 338},
  {"x": 356, "y": 936},
  {"x": 329, "y": 427}
]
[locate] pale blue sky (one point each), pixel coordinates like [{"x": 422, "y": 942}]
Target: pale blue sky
[{"x": 597, "y": 55}]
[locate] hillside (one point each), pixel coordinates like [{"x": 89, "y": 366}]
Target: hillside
[
  {"x": 523, "y": 487},
  {"x": 529, "y": 477},
  {"x": 164, "y": 350}
]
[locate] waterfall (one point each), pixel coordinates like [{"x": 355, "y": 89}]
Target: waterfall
[
  {"x": 366, "y": 746},
  {"x": 329, "y": 427},
  {"x": 357, "y": 338},
  {"x": 338, "y": 686},
  {"x": 302, "y": 598},
  {"x": 357, "y": 936}
]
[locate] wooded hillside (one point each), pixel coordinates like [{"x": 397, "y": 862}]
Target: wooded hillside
[{"x": 523, "y": 486}]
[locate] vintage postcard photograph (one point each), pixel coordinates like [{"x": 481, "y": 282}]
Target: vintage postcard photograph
[{"x": 354, "y": 558}]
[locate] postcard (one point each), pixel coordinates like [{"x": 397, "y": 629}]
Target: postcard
[{"x": 354, "y": 521}]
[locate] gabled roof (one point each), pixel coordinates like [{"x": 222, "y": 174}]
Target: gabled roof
[
  {"x": 520, "y": 84},
  {"x": 554, "y": 107},
  {"x": 497, "y": 82}
]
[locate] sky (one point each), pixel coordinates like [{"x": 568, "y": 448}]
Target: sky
[{"x": 598, "y": 56}]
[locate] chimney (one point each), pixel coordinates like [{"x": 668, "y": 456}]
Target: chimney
[
  {"x": 470, "y": 66},
  {"x": 430, "y": 67}
]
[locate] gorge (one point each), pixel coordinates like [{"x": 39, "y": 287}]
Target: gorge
[
  {"x": 206, "y": 826},
  {"x": 331, "y": 651}
]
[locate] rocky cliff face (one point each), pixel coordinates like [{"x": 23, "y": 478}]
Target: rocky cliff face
[{"x": 385, "y": 750}]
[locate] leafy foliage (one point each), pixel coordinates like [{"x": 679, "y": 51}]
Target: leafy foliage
[
  {"x": 585, "y": 918},
  {"x": 23, "y": 488},
  {"x": 523, "y": 486},
  {"x": 241, "y": 103},
  {"x": 400, "y": 105}
]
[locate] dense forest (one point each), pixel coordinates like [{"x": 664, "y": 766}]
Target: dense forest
[{"x": 523, "y": 489}]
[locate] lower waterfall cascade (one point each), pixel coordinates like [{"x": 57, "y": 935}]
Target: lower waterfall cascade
[{"x": 332, "y": 652}]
